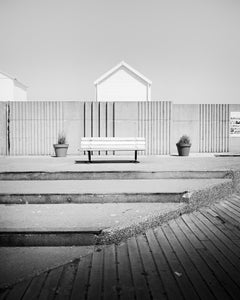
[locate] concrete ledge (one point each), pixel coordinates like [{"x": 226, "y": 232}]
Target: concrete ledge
[
  {"x": 110, "y": 175},
  {"x": 47, "y": 238},
  {"x": 89, "y": 198}
]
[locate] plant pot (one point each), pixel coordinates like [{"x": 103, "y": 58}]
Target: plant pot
[
  {"x": 183, "y": 149},
  {"x": 60, "y": 149}
]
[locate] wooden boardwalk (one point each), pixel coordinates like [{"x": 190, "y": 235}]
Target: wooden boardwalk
[{"x": 196, "y": 256}]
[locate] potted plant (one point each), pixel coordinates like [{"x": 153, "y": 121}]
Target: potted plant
[
  {"x": 61, "y": 147},
  {"x": 183, "y": 145}
]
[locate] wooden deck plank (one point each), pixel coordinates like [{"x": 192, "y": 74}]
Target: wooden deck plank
[
  {"x": 66, "y": 281},
  {"x": 221, "y": 224},
  {"x": 235, "y": 203},
  {"x": 96, "y": 276},
  {"x": 216, "y": 234},
  {"x": 51, "y": 283},
  {"x": 222, "y": 275},
  {"x": 212, "y": 260},
  {"x": 220, "y": 252},
  {"x": 18, "y": 291},
  {"x": 226, "y": 237},
  {"x": 80, "y": 283},
  {"x": 191, "y": 245},
  {"x": 34, "y": 289},
  {"x": 236, "y": 199},
  {"x": 230, "y": 209},
  {"x": 200, "y": 235},
  {"x": 219, "y": 241},
  {"x": 190, "y": 268},
  {"x": 228, "y": 276},
  {"x": 179, "y": 272},
  {"x": 126, "y": 287},
  {"x": 138, "y": 272},
  {"x": 232, "y": 205},
  {"x": 154, "y": 280},
  {"x": 110, "y": 283},
  {"x": 180, "y": 226},
  {"x": 169, "y": 280},
  {"x": 226, "y": 215},
  {"x": 3, "y": 294}
]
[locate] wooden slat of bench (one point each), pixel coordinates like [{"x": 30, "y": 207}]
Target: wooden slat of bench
[
  {"x": 113, "y": 144},
  {"x": 112, "y": 148},
  {"x": 113, "y": 139}
]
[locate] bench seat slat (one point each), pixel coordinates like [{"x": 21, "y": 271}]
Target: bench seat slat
[{"x": 113, "y": 144}]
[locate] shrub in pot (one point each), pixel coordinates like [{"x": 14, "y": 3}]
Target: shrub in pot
[
  {"x": 184, "y": 145},
  {"x": 61, "y": 147}
]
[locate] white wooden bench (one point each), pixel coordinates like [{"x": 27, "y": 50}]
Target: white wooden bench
[{"x": 90, "y": 144}]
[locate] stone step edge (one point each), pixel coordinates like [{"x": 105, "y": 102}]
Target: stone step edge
[
  {"x": 91, "y": 198},
  {"x": 95, "y": 175}
]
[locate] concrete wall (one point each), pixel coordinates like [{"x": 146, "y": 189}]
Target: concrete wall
[
  {"x": 206, "y": 124},
  {"x": 3, "y": 128},
  {"x": 6, "y": 88},
  {"x": 34, "y": 126},
  {"x": 185, "y": 120},
  {"x": 19, "y": 92}
]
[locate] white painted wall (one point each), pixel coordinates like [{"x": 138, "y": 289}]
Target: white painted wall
[
  {"x": 6, "y": 88},
  {"x": 11, "y": 89},
  {"x": 19, "y": 92},
  {"x": 122, "y": 85}
]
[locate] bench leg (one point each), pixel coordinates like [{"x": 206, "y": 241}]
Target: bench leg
[
  {"x": 89, "y": 156},
  {"x": 135, "y": 155}
]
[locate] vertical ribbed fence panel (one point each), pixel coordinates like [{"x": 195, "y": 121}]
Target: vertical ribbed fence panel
[
  {"x": 3, "y": 128},
  {"x": 214, "y": 128},
  {"x": 154, "y": 123},
  {"x": 99, "y": 120},
  {"x": 34, "y": 127}
]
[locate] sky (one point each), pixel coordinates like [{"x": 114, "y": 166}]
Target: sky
[{"x": 189, "y": 49}]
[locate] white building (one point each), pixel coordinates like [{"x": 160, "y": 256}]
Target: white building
[
  {"x": 11, "y": 89},
  {"x": 123, "y": 83}
]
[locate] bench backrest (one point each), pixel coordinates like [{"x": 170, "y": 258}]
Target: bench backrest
[{"x": 113, "y": 143}]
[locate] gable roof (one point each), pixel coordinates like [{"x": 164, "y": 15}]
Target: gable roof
[
  {"x": 122, "y": 64},
  {"x": 13, "y": 78}
]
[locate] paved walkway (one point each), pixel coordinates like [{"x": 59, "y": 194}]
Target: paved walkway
[
  {"x": 195, "y": 256},
  {"x": 142, "y": 186},
  {"x": 194, "y": 162}
]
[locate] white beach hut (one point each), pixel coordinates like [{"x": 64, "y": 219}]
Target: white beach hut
[
  {"x": 11, "y": 89},
  {"x": 123, "y": 83}
]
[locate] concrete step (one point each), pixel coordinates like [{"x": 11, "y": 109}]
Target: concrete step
[
  {"x": 73, "y": 224},
  {"x": 110, "y": 175},
  {"x": 101, "y": 191},
  {"x": 49, "y": 238}
]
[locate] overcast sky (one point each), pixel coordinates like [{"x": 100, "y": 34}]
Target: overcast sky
[{"x": 189, "y": 49}]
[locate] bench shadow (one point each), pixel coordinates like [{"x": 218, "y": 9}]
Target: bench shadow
[{"x": 105, "y": 161}]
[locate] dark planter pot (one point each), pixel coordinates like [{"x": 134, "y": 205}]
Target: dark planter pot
[
  {"x": 60, "y": 149},
  {"x": 183, "y": 149}
]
